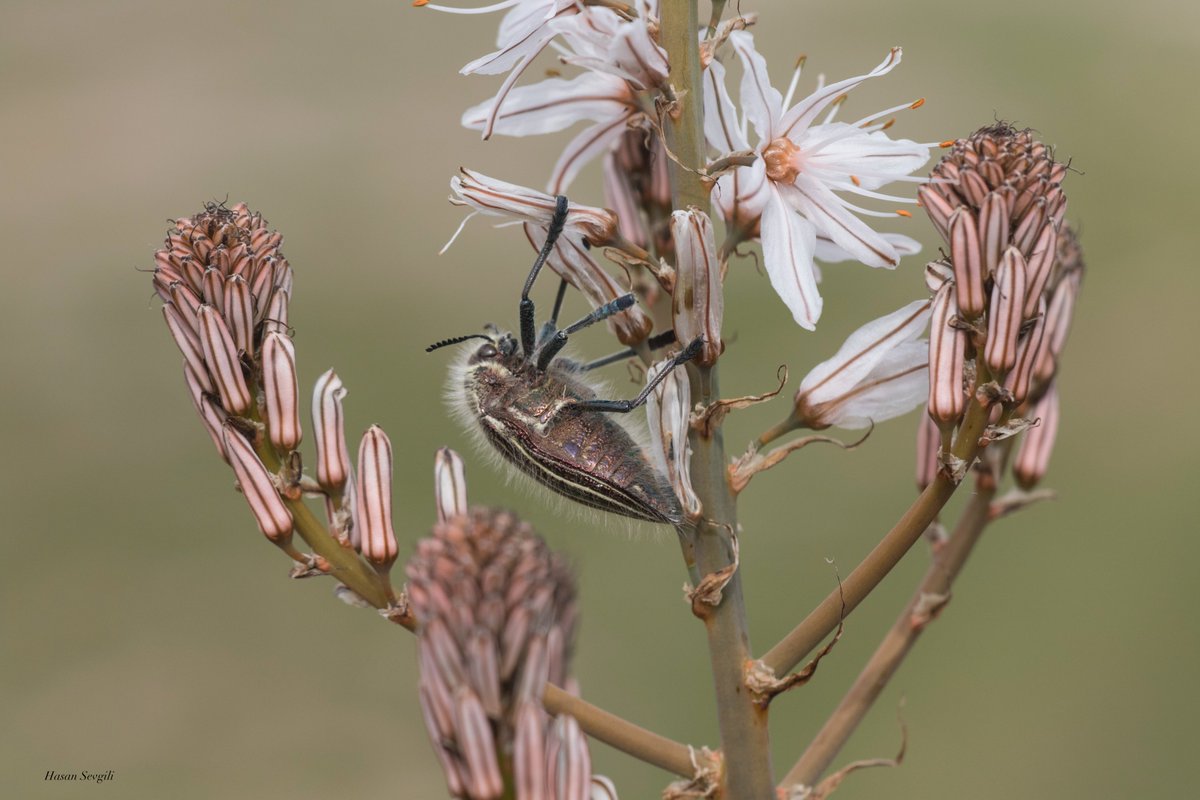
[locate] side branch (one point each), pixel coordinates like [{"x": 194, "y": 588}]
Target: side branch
[
  {"x": 931, "y": 595},
  {"x": 823, "y": 619}
]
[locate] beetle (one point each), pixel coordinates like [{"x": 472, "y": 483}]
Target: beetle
[{"x": 538, "y": 411}]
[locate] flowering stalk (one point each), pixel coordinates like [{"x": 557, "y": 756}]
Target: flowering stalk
[{"x": 743, "y": 724}]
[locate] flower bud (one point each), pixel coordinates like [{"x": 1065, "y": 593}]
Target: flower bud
[
  {"x": 495, "y": 611},
  {"x": 281, "y": 392},
  {"x": 1005, "y": 313},
  {"x": 221, "y": 356},
  {"x": 936, "y": 274},
  {"x": 668, "y": 410},
  {"x": 449, "y": 484},
  {"x": 993, "y": 230},
  {"x": 929, "y": 442},
  {"x": 373, "y": 508},
  {"x": 212, "y": 416},
  {"x": 697, "y": 303},
  {"x": 188, "y": 342},
  {"x": 967, "y": 258},
  {"x": 329, "y": 429},
  {"x": 1033, "y": 456},
  {"x": 257, "y": 485},
  {"x": 1020, "y": 380},
  {"x": 1038, "y": 268},
  {"x": 239, "y": 312},
  {"x": 947, "y": 352}
]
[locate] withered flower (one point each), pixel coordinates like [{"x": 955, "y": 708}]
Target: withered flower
[{"x": 496, "y": 615}]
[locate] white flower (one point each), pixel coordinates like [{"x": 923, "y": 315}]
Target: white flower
[
  {"x": 554, "y": 105},
  {"x": 880, "y": 372},
  {"x": 792, "y": 189}
]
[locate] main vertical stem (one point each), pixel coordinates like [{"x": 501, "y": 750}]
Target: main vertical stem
[{"x": 743, "y": 724}]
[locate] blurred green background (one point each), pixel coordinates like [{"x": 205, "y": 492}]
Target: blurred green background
[{"x": 150, "y": 630}]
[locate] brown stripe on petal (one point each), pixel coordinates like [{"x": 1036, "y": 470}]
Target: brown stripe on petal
[
  {"x": 967, "y": 258},
  {"x": 529, "y": 751},
  {"x": 272, "y": 516},
  {"x": 477, "y": 746},
  {"x": 1020, "y": 380},
  {"x": 333, "y": 459},
  {"x": 187, "y": 302},
  {"x": 262, "y": 285},
  {"x": 239, "y": 313},
  {"x": 993, "y": 231},
  {"x": 1004, "y": 313},
  {"x": 483, "y": 667},
  {"x": 188, "y": 342},
  {"x": 374, "y": 501},
  {"x": 276, "y": 316},
  {"x": 449, "y": 484},
  {"x": 222, "y": 358},
  {"x": 214, "y": 289},
  {"x": 1038, "y": 266},
  {"x": 929, "y": 441},
  {"x": 936, "y": 274},
  {"x": 947, "y": 351},
  {"x": 1033, "y": 457},
  {"x": 210, "y": 414},
  {"x": 697, "y": 303},
  {"x": 281, "y": 391},
  {"x": 937, "y": 207},
  {"x": 973, "y": 187}
]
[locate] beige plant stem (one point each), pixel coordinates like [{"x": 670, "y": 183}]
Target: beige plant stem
[
  {"x": 822, "y": 620},
  {"x": 743, "y": 724},
  {"x": 933, "y": 591},
  {"x": 348, "y": 568}
]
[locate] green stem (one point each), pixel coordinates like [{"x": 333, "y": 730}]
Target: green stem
[
  {"x": 743, "y": 724},
  {"x": 823, "y": 619},
  {"x": 948, "y": 563}
]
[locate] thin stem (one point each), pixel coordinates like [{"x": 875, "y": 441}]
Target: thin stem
[
  {"x": 822, "y": 620},
  {"x": 625, "y": 736},
  {"x": 934, "y": 588},
  {"x": 743, "y": 724}
]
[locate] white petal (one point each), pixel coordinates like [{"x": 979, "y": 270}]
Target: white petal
[
  {"x": 828, "y": 213},
  {"x": 788, "y": 242},
  {"x": 589, "y": 144},
  {"x": 864, "y": 350},
  {"x": 553, "y": 105},
  {"x": 721, "y": 126},
  {"x": 887, "y": 397},
  {"x": 830, "y": 253},
  {"x": 761, "y": 102},
  {"x": 742, "y": 193},
  {"x": 801, "y": 115},
  {"x": 873, "y": 158}
]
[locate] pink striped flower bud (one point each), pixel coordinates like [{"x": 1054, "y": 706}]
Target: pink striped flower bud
[
  {"x": 239, "y": 312},
  {"x": 258, "y": 487},
  {"x": 495, "y": 611},
  {"x": 1005, "y": 314},
  {"x": 947, "y": 352},
  {"x": 221, "y": 356},
  {"x": 1038, "y": 266},
  {"x": 929, "y": 442},
  {"x": 329, "y": 429},
  {"x": 210, "y": 414},
  {"x": 993, "y": 230},
  {"x": 188, "y": 342},
  {"x": 880, "y": 372},
  {"x": 967, "y": 258},
  {"x": 1033, "y": 456},
  {"x": 281, "y": 392},
  {"x": 697, "y": 303},
  {"x": 449, "y": 484},
  {"x": 936, "y": 274},
  {"x": 1020, "y": 380},
  {"x": 373, "y": 503},
  {"x": 668, "y": 410}
]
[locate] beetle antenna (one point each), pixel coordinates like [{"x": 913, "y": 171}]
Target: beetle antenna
[
  {"x": 455, "y": 340},
  {"x": 525, "y": 309}
]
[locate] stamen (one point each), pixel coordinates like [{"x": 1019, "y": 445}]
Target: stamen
[
  {"x": 456, "y": 10},
  {"x": 461, "y": 225},
  {"x": 791, "y": 92},
  {"x": 834, "y": 107}
]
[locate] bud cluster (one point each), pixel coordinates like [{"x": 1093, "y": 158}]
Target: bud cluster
[
  {"x": 496, "y": 615},
  {"x": 225, "y": 286},
  {"x": 1002, "y": 300}
]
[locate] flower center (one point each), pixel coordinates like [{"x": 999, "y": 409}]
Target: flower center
[{"x": 782, "y": 160}]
